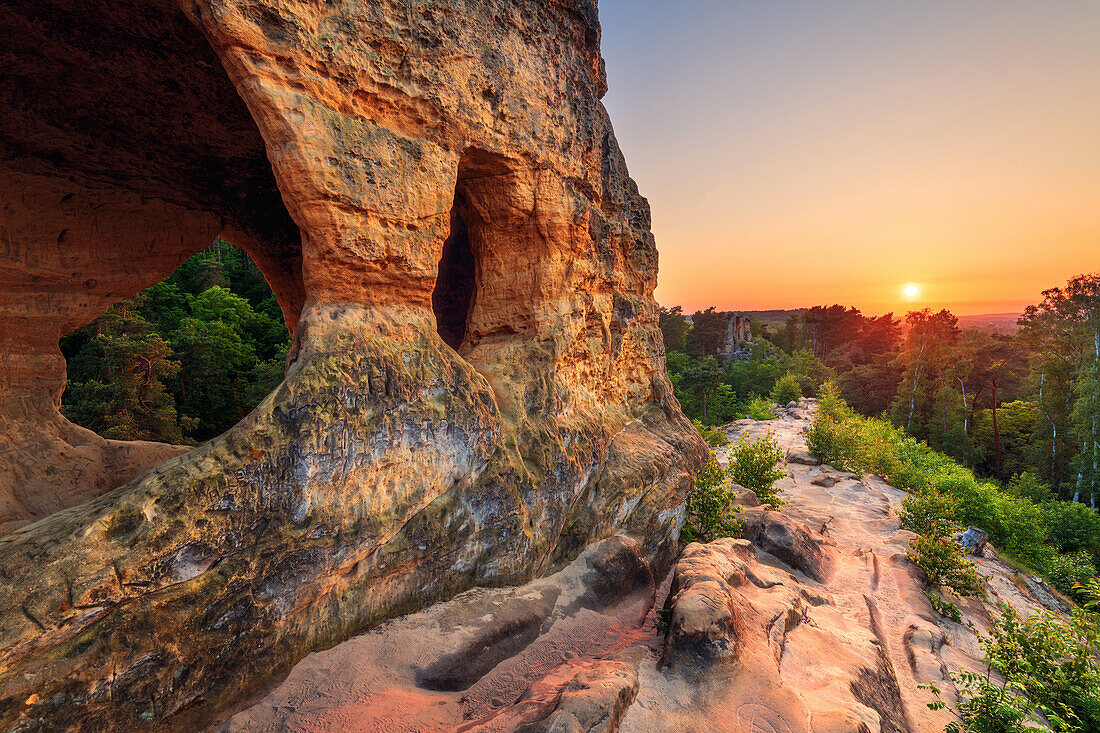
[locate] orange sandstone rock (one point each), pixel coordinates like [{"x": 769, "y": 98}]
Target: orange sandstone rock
[{"x": 476, "y": 390}]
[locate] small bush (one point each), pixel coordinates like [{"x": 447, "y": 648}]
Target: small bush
[
  {"x": 710, "y": 507},
  {"x": 714, "y": 437},
  {"x": 985, "y": 707},
  {"x": 1069, "y": 573},
  {"x": 1028, "y": 486},
  {"x": 1053, "y": 661},
  {"x": 945, "y": 565},
  {"x": 759, "y": 409},
  {"x": 929, "y": 512},
  {"x": 944, "y": 607},
  {"x": 1071, "y": 526},
  {"x": 757, "y": 465},
  {"x": 786, "y": 389}
]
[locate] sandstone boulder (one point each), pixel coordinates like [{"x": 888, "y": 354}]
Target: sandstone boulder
[
  {"x": 781, "y": 536},
  {"x": 802, "y": 458},
  {"x": 475, "y": 391}
]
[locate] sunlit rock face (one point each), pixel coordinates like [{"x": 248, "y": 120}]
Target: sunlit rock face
[{"x": 476, "y": 389}]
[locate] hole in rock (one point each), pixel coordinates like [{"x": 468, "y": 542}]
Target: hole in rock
[
  {"x": 455, "y": 283},
  {"x": 183, "y": 360}
]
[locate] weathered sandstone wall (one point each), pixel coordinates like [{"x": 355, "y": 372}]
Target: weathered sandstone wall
[{"x": 435, "y": 430}]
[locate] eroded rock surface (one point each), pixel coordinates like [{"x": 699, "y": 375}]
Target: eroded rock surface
[
  {"x": 476, "y": 389},
  {"x": 550, "y": 656},
  {"x": 819, "y": 624},
  {"x": 754, "y": 643}
]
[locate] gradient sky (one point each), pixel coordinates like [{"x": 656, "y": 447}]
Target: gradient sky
[{"x": 800, "y": 153}]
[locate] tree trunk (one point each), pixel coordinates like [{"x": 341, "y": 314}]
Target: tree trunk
[
  {"x": 913, "y": 396},
  {"x": 966, "y": 417},
  {"x": 996, "y": 436},
  {"x": 1054, "y": 432}
]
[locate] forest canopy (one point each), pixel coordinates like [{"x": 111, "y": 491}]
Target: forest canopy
[
  {"x": 183, "y": 360},
  {"x": 1022, "y": 407}
]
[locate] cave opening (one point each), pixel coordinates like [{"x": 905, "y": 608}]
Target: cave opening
[
  {"x": 183, "y": 360},
  {"x": 456, "y": 283},
  {"x": 125, "y": 149}
]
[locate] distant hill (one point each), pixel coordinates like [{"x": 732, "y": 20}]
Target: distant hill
[
  {"x": 988, "y": 322},
  {"x": 991, "y": 322},
  {"x": 774, "y": 319}
]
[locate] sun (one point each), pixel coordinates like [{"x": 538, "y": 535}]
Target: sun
[{"x": 911, "y": 290}]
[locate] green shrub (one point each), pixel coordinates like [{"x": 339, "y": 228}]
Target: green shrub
[
  {"x": 1069, "y": 573},
  {"x": 714, "y": 437},
  {"x": 985, "y": 707},
  {"x": 945, "y": 565},
  {"x": 944, "y": 494},
  {"x": 1017, "y": 528},
  {"x": 1053, "y": 661},
  {"x": 757, "y": 465},
  {"x": 710, "y": 507},
  {"x": 830, "y": 404},
  {"x": 1071, "y": 526},
  {"x": 944, "y": 607},
  {"x": 929, "y": 513},
  {"x": 760, "y": 409},
  {"x": 786, "y": 389},
  {"x": 1028, "y": 486}
]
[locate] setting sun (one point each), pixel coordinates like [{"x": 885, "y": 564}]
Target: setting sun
[{"x": 911, "y": 290}]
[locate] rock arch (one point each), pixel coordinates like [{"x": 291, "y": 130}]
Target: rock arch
[
  {"x": 107, "y": 188},
  {"x": 389, "y": 470}
]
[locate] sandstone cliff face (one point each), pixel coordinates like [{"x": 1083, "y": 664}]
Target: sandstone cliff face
[{"x": 435, "y": 430}]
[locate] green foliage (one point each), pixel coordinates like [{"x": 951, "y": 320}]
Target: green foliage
[
  {"x": 1071, "y": 526},
  {"x": 760, "y": 409},
  {"x": 786, "y": 390},
  {"x": 1071, "y": 573},
  {"x": 945, "y": 565},
  {"x": 810, "y": 372},
  {"x": 1027, "y": 485},
  {"x": 757, "y": 465},
  {"x": 662, "y": 621},
  {"x": 183, "y": 360},
  {"x": 710, "y": 513},
  {"x": 756, "y": 375},
  {"x": 674, "y": 327},
  {"x": 928, "y": 512},
  {"x": 715, "y": 438},
  {"x": 986, "y": 707},
  {"x": 1053, "y": 662},
  {"x": 944, "y": 607},
  {"x": 1017, "y": 422},
  {"x": 117, "y": 378}
]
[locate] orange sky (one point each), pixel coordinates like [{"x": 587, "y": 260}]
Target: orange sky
[{"x": 804, "y": 153}]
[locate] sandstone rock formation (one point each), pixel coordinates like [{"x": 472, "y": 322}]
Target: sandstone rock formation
[
  {"x": 748, "y": 635},
  {"x": 476, "y": 388}
]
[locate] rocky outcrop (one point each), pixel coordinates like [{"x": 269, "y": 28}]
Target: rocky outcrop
[
  {"x": 741, "y": 639},
  {"x": 476, "y": 388},
  {"x": 559, "y": 654}
]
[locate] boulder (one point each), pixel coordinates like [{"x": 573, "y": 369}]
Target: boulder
[
  {"x": 475, "y": 391},
  {"x": 802, "y": 458},
  {"x": 781, "y": 536},
  {"x": 974, "y": 540},
  {"x": 595, "y": 699}
]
